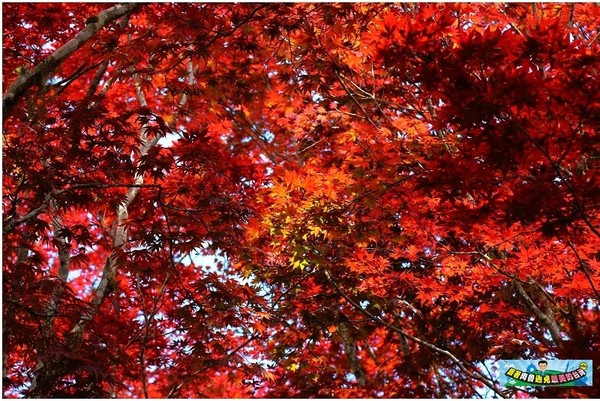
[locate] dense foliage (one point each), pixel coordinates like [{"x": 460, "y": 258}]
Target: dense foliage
[{"x": 297, "y": 200}]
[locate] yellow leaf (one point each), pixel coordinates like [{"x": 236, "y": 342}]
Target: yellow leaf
[{"x": 314, "y": 230}]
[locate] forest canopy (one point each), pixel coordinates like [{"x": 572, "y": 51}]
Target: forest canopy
[{"x": 348, "y": 200}]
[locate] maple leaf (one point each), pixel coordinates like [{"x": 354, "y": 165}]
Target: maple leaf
[{"x": 308, "y": 200}]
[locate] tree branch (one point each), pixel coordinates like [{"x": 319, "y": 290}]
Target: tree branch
[
  {"x": 25, "y": 81},
  {"x": 148, "y": 317},
  {"x": 352, "y": 353},
  {"x": 48, "y": 374},
  {"x": 362, "y": 109},
  {"x": 64, "y": 260},
  {"x": 579, "y": 205},
  {"x": 10, "y": 224},
  {"x": 97, "y": 78},
  {"x": 546, "y": 320},
  {"x": 173, "y": 393},
  {"x": 472, "y": 374},
  {"x": 109, "y": 272},
  {"x": 584, "y": 269}
]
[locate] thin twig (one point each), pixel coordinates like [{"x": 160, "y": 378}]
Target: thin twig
[
  {"x": 144, "y": 340},
  {"x": 584, "y": 269},
  {"x": 362, "y": 109},
  {"x": 557, "y": 168},
  {"x": 472, "y": 374},
  {"x": 173, "y": 393}
]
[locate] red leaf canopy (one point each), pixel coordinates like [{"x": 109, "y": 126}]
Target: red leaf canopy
[{"x": 297, "y": 200}]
